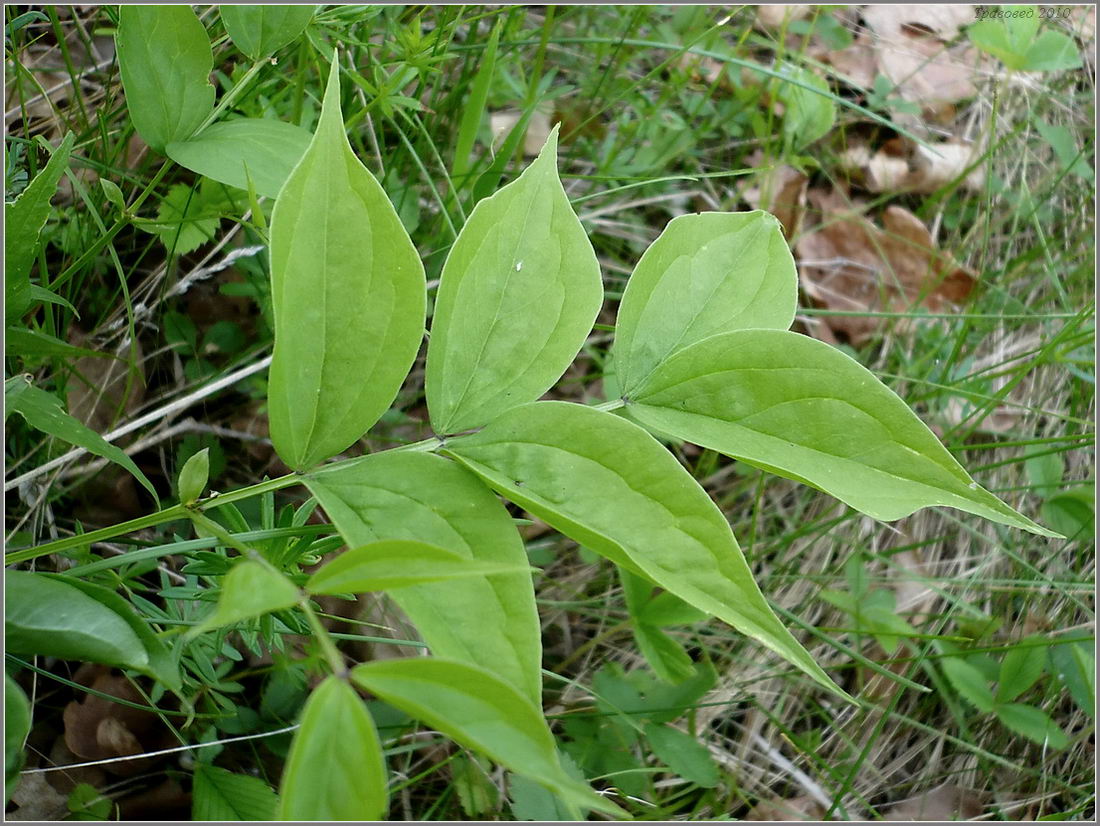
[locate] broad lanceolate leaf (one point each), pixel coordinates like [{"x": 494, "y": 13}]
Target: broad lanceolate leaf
[
  {"x": 683, "y": 753},
  {"x": 42, "y": 411},
  {"x": 218, "y": 794},
  {"x": 23, "y": 221},
  {"x": 399, "y": 563},
  {"x": 165, "y": 59},
  {"x": 1033, "y": 723},
  {"x": 234, "y": 151},
  {"x": 708, "y": 273},
  {"x": 259, "y": 31},
  {"x": 348, "y": 294},
  {"x": 249, "y": 590},
  {"x": 518, "y": 295},
  {"x": 44, "y": 615},
  {"x": 487, "y": 620},
  {"x": 794, "y": 406},
  {"x": 476, "y": 709},
  {"x": 1021, "y": 668},
  {"x": 809, "y": 115},
  {"x": 335, "y": 769},
  {"x": 609, "y": 485}
]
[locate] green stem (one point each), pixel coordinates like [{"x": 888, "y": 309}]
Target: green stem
[
  {"x": 328, "y": 647},
  {"x": 614, "y": 404},
  {"x": 180, "y": 512}
]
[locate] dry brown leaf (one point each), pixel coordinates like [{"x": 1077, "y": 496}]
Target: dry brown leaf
[
  {"x": 794, "y": 808},
  {"x": 98, "y": 729},
  {"x": 942, "y": 20},
  {"x": 858, "y": 63},
  {"x": 944, "y": 803},
  {"x": 773, "y": 16},
  {"x": 782, "y": 192},
  {"x": 909, "y": 167},
  {"x": 848, "y": 263},
  {"x": 538, "y": 129}
]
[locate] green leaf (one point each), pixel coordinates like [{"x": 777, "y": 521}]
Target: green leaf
[
  {"x": 165, "y": 60},
  {"x": 334, "y": 770},
  {"x": 23, "y": 222},
  {"x": 218, "y": 794},
  {"x": 50, "y": 617},
  {"x": 489, "y": 621},
  {"x": 666, "y": 657},
  {"x": 42, "y": 411},
  {"x": 1072, "y": 512},
  {"x": 668, "y": 609},
  {"x": 808, "y": 115},
  {"x": 348, "y": 293},
  {"x": 682, "y": 753},
  {"x": 113, "y": 194},
  {"x": 474, "y": 110},
  {"x": 518, "y": 295},
  {"x": 162, "y": 664},
  {"x": 187, "y": 217},
  {"x": 193, "y": 476},
  {"x": 477, "y": 794},
  {"x": 1045, "y": 472},
  {"x": 1051, "y": 52},
  {"x": 609, "y": 485},
  {"x": 969, "y": 682},
  {"x": 398, "y": 563},
  {"x": 1074, "y": 663},
  {"x": 249, "y": 590},
  {"x": 233, "y": 151},
  {"x": 481, "y": 712},
  {"x": 1064, "y": 144},
  {"x": 17, "y": 725},
  {"x": 1033, "y": 723},
  {"x": 259, "y": 31},
  {"x": 794, "y": 406},
  {"x": 1021, "y": 668},
  {"x": 24, "y": 342},
  {"x": 708, "y": 273}
]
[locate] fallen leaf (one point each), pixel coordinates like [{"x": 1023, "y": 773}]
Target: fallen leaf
[
  {"x": 858, "y": 63},
  {"x": 794, "y": 808},
  {"x": 847, "y": 263},
  {"x": 946, "y": 802},
  {"x": 942, "y": 20},
  {"x": 773, "y": 16},
  {"x": 780, "y": 191},
  {"x": 915, "y": 168},
  {"x": 538, "y": 129},
  {"x": 98, "y": 729}
]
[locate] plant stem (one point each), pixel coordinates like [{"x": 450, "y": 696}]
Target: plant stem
[
  {"x": 332, "y": 653},
  {"x": 180, "y": 512}
]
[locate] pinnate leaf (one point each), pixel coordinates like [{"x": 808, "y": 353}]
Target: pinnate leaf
[
  {"x": 165, "y": 60},
  {"x": 707, "y": 273},
  {"x": 490, "y": 621},
  {"x": 476, "y": 709},
  {"x": 518, "y": 295},
  {"x": 334, "y": 770},
  {"x": 398, "y": 563},
  {"x": 609, "y": 485},
  {"x": 348, "y": 295},
  {"x": 799, "y": 408}
]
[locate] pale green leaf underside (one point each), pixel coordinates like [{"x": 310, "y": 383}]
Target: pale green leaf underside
[
  {"x": 490, "y": 621},
  {"x": 249, "y": 590},
  {"x": 234, "y": 151},
  {"x": 259, "y": 31},
  {"x": 476, "y": 709},
  {"x": 165, "y": 60},
  {"x": 518, "y": 295},
  {"x": 609, "y": 485},
  {"x": 348, "y": 294},
  {"x": 398, "y": 563},
  {"x": 802, "y": 409},
  {"x": 705, "y": 274},
  {"x": 334, "y": 770},
  {"x": 42, "y": 411}
]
